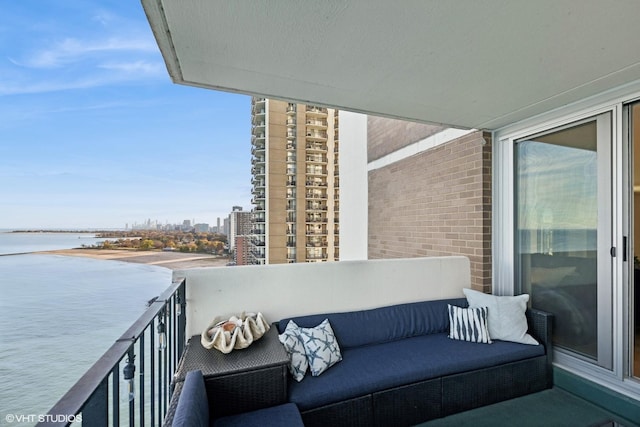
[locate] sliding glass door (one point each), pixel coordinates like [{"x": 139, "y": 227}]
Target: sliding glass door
[
  {"x": 563, "y": 233},
  {"x": 633, "y": 293}
]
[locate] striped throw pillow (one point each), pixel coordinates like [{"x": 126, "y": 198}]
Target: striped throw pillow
[{"x": 468, "y": 324}]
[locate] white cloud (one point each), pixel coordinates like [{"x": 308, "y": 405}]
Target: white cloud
[
  {"x": 56, "y": 85},
  {"x": 72, "y": 50},
  {"x": 144, "y": 67},
  {"x": 82, "y": 65}
]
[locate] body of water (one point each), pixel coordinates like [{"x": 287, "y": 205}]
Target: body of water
[{"x": 59, "y": 314}]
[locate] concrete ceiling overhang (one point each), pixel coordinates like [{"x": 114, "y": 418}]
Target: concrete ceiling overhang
[{"x": 469, "y": 64}]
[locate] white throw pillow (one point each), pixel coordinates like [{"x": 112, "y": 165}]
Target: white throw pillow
[
  {"x": 468, "y": 324},
  {"x": 292, "y": 342},
  {"x": 321, "y": 346},
  {"x": 507, "y": 320}
]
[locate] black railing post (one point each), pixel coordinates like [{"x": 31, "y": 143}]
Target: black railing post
[
  {"x": 182, "y": 317},
  {"x": 115, "y": 394},
  {"x": 141, "y": 378},
  {"x": 129, "y": 374},
  {"x": 96, "y": 410},
  {"x": 152, "y": 366}
]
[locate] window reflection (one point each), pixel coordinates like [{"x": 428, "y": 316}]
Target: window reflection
[{"x": 557, "y": 217}]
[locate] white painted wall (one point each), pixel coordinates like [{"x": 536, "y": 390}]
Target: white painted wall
[
  {"x": 354, "y": 208},
  {"x": 283, "y": 290}
]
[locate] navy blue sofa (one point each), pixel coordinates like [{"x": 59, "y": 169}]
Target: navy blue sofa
[
  {"x": 399, "y": 367},
  {"x": 193, "y": 410}
]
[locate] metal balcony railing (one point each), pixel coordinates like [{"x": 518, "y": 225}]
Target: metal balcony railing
[{"x": 142, "y": 361}]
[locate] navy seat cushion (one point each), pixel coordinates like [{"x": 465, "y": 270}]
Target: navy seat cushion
[
  {"x": 379, "y": 325},
  {"x": 286, "y": 415},
  {"x": 193, "y": 406},
  {"x": 378, "y": 367}
]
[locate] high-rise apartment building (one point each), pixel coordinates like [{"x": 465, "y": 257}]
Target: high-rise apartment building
[
  {"x": 239, "y": 225},
  {"x": 296, "y": 183},
  {"x": 242, "y": 252}
]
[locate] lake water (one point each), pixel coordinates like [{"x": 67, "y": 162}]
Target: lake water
[{"x": 59, "y": 314}]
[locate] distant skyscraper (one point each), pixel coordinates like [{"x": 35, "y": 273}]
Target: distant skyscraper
[
  {"x": 295, "y": 179},
  {"x": 225, "y": 227},
  {"x": 201, "y": 228}
]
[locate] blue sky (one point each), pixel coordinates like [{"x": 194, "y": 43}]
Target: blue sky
[{"x": 93, "y": 133}]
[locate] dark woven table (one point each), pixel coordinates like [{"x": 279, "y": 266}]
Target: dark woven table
[{"x": 243, "y": 380}]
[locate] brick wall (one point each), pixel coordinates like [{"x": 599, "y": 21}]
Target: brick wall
[
  {"x": 385, "y": 136},
  {"x": 435, "y": 203}
]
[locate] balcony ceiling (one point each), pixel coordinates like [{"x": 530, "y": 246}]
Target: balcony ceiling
[{"x": 469, "y": 64}]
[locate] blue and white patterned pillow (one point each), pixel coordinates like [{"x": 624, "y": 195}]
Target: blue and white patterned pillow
[
  {"x": 321, "y": 347},
  {"x": 468, "y": 324},
  {"x": 292, "y": 342}
]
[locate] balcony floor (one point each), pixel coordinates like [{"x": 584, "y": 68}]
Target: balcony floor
[{"x": 554, "y": 407}]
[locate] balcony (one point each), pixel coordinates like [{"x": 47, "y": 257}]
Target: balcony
[
  {"x": 316, "y": 217},
  {"x": 316, "y": 195},
  {"x": 316, "y": 206},
  {"x": 314, "y": 135},
  {"x": 258, "y": 254},
  {"x": 258, "y": 130},
  {"x": 316, "y": 171},
  {"x": 316, "y": 146},
  {"x": 258, "y": 198},
  {"x": 317, "y": 256},
  {"x": 316, "y": 182},
  {"x": 257, "y": 146},
  {"x": 258, "y": 191},
  {"x": 316, "y": 124},
  {"x": 316, "y": 159},
  {"x": 258, "y": 118},
  {"x": 316, "y": 111},
  {"x": 205, "y": 292},
  {"x": 312, "y": 231}
]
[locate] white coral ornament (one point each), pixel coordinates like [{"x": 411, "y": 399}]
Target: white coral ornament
[{"x": 226, "y": 335}]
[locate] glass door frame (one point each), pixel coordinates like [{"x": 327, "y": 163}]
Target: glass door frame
[
  {"x": 503, "y": 227},
  {"x": 604, "y": 286},
  {"x": 628, "y": 204}
]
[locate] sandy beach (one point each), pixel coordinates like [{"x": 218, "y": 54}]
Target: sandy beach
[{"x": 171, "y": 260}]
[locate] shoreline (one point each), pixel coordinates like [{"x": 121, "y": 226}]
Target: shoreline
[{"x": 170, "y": 260}]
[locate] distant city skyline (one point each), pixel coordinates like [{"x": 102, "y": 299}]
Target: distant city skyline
[{"x": 93, "y": 132}]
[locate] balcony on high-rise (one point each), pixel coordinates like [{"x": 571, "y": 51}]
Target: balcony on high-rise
[{"x": 315, "y": 135}]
